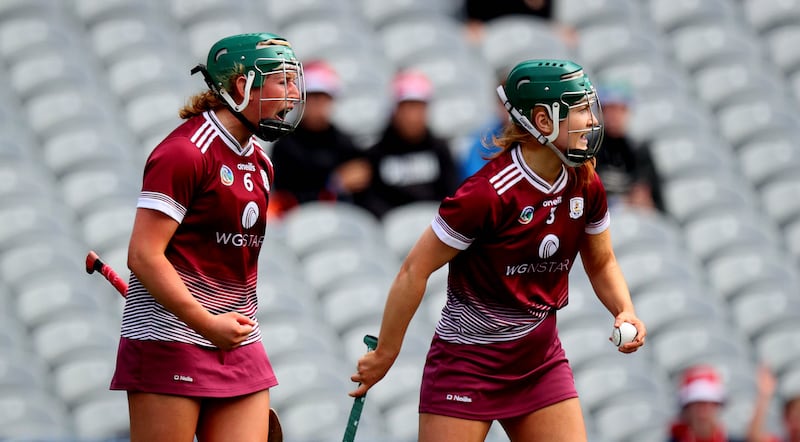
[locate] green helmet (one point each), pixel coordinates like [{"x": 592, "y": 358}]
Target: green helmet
[
  {"x": 556, "y": 85},
  {"x": 256, "y": 56}
]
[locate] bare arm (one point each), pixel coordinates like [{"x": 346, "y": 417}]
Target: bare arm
[
  {"x": 405, "y": 295},
  {"x": 609, "y": 284},
  {"x": 765, "y": 381},
  {"x": 152, "y": 231}
]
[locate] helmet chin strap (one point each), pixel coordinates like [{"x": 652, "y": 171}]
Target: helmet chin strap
[{"x": 541, "y": 138}]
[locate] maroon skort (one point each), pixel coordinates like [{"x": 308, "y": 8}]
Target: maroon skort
[
  {"x": 499, "y": 380},
  {"x": 190, "y": 370}
]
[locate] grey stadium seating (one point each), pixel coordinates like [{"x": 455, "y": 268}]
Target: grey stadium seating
[{"x": 93, "y": 85}]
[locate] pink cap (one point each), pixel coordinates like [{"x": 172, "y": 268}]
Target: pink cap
[
  {"x": 320, "y": 77},
  {"x": 412, "y": 86},
  {"x": 701, "y": 383}
]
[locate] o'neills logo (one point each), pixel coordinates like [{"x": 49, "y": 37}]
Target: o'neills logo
[
  {"x": 458, "y": 398},
  {"x": 182, "y": 378}
]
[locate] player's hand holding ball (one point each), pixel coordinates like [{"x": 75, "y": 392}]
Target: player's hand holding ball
[{"x": 628, "y": 333}]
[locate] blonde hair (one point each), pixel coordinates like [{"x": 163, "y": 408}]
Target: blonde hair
[
  {"x": 208, "y": 99},
  {"x": 199, "y": 103},
  {"x": 514, "y": 134}
]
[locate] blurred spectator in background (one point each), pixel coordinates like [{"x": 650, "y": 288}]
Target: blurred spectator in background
[
  {"x": 318, "y": 161},
  {"x": 478, "y": 12},
  {"x": 701, "y": 395},
  {"x": 480, "y": 145},
  {"x": 627, "y": 170},
  {"x": 767, "y": 384},
  {"x": 408, "y": 162}
]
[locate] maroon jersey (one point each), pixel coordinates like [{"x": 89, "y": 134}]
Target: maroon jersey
[
  {"x": 519, "y": 237},
  {"x": 218, "y": 192}
]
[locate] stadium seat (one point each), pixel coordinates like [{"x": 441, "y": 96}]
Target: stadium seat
[
  {"x": 639, "y": 413},
  {"x": 32, "y": 415},
  {"x": 692, "y": 196},
  {"x": 779, "y": 348},
  {"x": 736, "y": 81},
  {"x": 21, "y": 369},
  {"x": 92, "y": 12},
  {"x": 603, "y": 381},
  {"x": 403, "y": 225},
  {"x": 458, "y": 113},
  {"x": 677, "y": 348},
  {"x": 682, "y": 153},
  {"x": 740, "y": 123},
  {"x": 779, "y": 199},
  {"x": 83, "y": 380},
  {"x": 154, "y": 114},
  {"x": 114, "y": 424},
  {"x": 633, "y": 229},
  {"x": 658, "y": 113},
  {"x": 728, "y": 230},
  {"x": 97, "y": 184},
  {"x": 286, "y": 338},
  {"x": 724, "y": 40},
  {"x": 352, "y": 302},
  {"x": 769, "y": 158},
  {"x": 402, "y": 419},
  {"x": 40, "y": 300},
  {"x": 677, "y": 304},
  {"x": 306, "y": 233},
  {"x": 284, "y": 295},
  {"x": 605, "y": 44},
  {"x": 285, "y": 14},
  {"x": 669, "y": 15},
  {"x": 332, "y": 266},
  {"x": 85, "y": 144},
  {"x": 109, "y": 225},
  {"x": 201, "y": 34},
  {"x": 74, "y": 335},
  {"x": 762, "y": 309},
  {"x": 414, "y": 36},
  {"x": 324, "y": 416},
  {"x": 380, "y": 14},
  {"x": 510, "y": 39},
  {"x": 580, "y": 14},
  {"x": 49, "y": 68},
  {"x": 645, "y": 74},
  {"x": 731, "y": 274},
  {"x": 643, "y": 268},
  {"x": 766, "y": 15},
  {"x": 791, "y": 234}
]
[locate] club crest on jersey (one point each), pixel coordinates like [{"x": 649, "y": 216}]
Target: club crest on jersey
[
  {"x": 576, "y": 207},
  {"x": 526, "y": 215},
  {"x": 226, "y": 175}
]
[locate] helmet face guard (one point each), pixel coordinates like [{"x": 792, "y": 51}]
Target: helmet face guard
[
  {"x": 259, "y": 57},
  {"x": 563, "y": 90}
]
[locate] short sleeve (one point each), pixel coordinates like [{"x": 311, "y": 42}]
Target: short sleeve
[
  {"x": 597, "y": 216},
  {"x": 465, "y": 215},
  {"x": 171, "y": 175}
]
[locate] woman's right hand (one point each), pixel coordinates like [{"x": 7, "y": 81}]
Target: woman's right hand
[
  {"x": 227, "y": 330},
  {"x": 371, "y": 368}
]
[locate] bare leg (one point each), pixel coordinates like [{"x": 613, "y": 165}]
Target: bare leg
[
  {"x": 560, "y": 422},
  {"x": 242, "y": 418},
  {"x": 161, "y": 417},
  {"x": 434, "y": 427}
]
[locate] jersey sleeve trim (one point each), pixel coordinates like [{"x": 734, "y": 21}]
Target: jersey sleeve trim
[
  {"x": 599, "y": 226},
  {"x": 162, "y": 203},
  {"x": 449, "y": 236}
]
